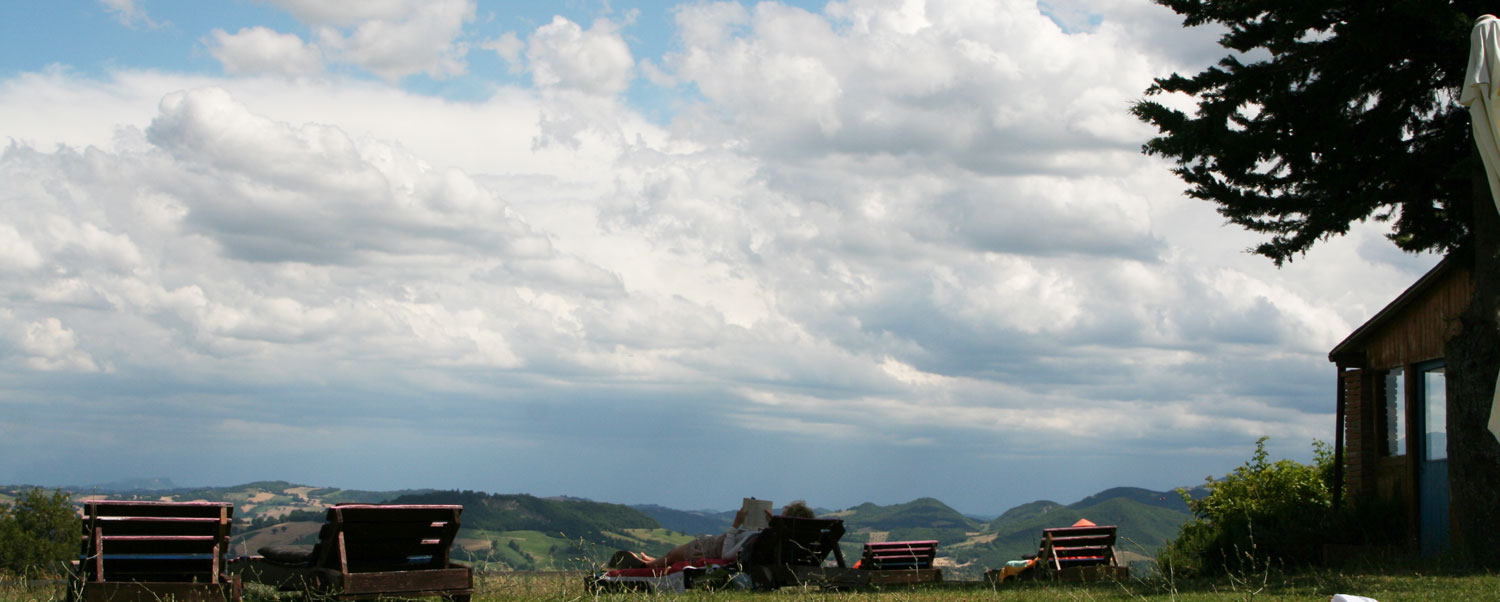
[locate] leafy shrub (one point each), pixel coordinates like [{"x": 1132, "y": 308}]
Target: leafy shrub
[
  {"x": 1261, "y": 513},
  {"x": 37, "y": 533}
]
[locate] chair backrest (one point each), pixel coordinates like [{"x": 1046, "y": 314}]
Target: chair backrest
[
  {"x": 1063, "y": 547},
  {"x": 798, "y": 542},
  {"x": 898, "y": 555},
  {"x": 154, "y": 541},
  {"x": 371, "y": 537}
]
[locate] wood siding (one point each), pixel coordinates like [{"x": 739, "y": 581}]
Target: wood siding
[{"x": 1419, "y": 333}]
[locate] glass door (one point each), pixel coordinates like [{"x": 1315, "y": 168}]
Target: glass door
[{"x": 1432, "y": 469}]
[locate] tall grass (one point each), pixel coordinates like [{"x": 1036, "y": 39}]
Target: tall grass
[{"x": 1397, "y": 586}]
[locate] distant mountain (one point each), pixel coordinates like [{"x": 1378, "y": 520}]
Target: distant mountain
[
  {"x": 1165, "y": 499},
  {"x": 571, "y": 518},
  {"x": 921, "y": 513},
  {"x": 694, "y": 522},
  {"x": 127, "y": 485}
]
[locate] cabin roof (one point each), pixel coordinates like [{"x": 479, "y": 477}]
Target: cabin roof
[{"x": 1350, "y": 350}]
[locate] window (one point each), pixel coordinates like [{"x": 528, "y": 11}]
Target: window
[
  {"x": 1395, "y": 412},
  {"x": 1435, "y": 414}
]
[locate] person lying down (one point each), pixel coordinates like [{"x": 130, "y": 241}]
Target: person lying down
[{"x": 725, "y": 546}]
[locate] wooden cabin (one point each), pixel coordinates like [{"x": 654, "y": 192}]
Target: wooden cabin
[{"x": 1391, "y": 440}]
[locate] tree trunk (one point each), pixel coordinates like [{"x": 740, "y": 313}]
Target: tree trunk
[{"x": 1473, "y": 358}]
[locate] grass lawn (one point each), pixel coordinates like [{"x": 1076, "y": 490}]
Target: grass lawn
[{"x": 1319, "y": 586}]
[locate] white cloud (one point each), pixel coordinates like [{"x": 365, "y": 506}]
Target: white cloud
[
  {"x": 269, "y": 191},
  {"x": 50, "y": 347},
  {"x": 990, "y": 86},
  {"x": 16, "y": 253},
  {"x": 563, "y": 55},
  {"x": 392, "y": 38},
  {"x": 256, "y": 50},
  {"x": 130, "y": 14}
]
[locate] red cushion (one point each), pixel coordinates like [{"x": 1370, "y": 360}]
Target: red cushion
[{"x": 659, "y": 571}]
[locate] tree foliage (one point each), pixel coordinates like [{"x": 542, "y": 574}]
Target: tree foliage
[
  {"x": 1326, "y": 113},
  {"x": 1262, "y": 512},
  {"x": 37, "y": 533}
]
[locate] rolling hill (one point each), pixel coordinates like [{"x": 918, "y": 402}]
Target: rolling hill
[{"x": 524, "y": 532}]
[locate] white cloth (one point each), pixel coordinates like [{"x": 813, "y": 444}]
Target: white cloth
[
  {"x": 734, "y": 541},
  {"x": 1481, "y": 94},
  {"x": 671, "y": 582},
  {"x": 1349, "y": 598}
]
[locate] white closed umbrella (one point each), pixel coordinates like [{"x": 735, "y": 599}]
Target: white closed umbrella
[{"x": 1482, "y": 95}]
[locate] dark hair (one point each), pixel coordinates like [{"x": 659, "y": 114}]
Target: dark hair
[{"x": 797, "y": 509}]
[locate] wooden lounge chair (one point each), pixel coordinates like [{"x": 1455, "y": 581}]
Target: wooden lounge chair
[
  {"x": 371, "y": 551},
  {"x": 792, "y": 551},
  {"x": 900, "y": 562},
  {"x": 1085, "y": 553},
  {"x": 153, "y": 551}
]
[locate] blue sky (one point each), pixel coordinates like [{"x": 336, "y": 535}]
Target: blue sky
[{"x": 647, "y": 252}]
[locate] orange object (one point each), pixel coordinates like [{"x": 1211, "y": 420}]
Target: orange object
[{"x": 1083, "y": 522}]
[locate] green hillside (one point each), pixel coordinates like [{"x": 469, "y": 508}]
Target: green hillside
[
  {"x": 1146, "y": 522},
  {"x": 917, "y": 520},
  {"x": 1023, "y": 515}
]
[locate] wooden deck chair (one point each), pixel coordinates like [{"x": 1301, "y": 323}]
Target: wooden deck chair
[
  {"x": 370, "y": 551},
  {"x": 153, "y": 551},
  {"x": 792, "y": 551},
  {"x": 1080, "y": 554},
  {"x": 900, "y": 562}
]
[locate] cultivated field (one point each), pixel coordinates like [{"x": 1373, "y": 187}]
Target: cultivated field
[{"x": 1319, "y": 586}]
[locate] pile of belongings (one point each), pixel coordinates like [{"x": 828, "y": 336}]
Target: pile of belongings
[{"x": 702, "y": 573}]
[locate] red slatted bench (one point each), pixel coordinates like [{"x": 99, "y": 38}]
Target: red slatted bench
[
  {"x": 153, "y": 551},
  {"x": 1080, "y": 553}
]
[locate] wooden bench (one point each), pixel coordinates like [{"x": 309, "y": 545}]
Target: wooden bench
[
  {"x": 1080, "y": 554},
  {"x": 792, "y": 551},
  {"x": 900, "y": 562},
  {"x": 371, "y": 551},
  {"x": 153, "y": 551}
]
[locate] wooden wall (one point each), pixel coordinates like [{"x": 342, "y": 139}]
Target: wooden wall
[{"x": 1419, "y": 332}]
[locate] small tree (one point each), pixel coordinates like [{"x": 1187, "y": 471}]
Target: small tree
[
  {"x": 1262, "y": 512},
  {"x": 37, "y": 533}
]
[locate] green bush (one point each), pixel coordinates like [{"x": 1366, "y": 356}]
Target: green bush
[
  {"x": 38, "y": 533},
  {"x": 1263, "y": 512}
]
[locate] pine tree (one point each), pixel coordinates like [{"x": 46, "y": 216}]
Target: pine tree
[{"x": 1330, "y": 112}]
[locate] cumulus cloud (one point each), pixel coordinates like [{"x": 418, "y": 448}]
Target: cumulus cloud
[
  {"x": 390, "y": 38},
  {"x": 995, "y": 87},
  {"x": 256, "y": 50},
  {"x": 48, "y": 346},
  {"x": 130, "y": 14},
  {"x": 924, "y": 222},
  {"x": 563, "y": 55},
  {"x": 259, "y": 182}
]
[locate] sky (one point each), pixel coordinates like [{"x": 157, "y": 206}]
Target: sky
[{"x": 638, "y": 252}]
